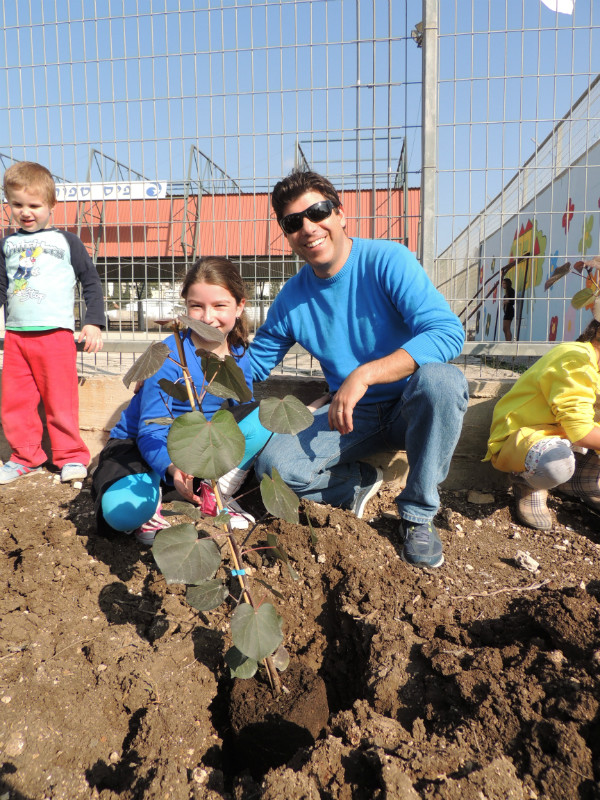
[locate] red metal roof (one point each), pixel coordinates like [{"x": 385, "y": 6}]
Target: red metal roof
[{"x": 226, "y": 224}]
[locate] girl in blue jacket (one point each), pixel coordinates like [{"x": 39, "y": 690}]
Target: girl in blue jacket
[{"x": 135, "y": 460}]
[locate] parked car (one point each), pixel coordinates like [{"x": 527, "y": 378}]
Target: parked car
[
  {"x": 142, "y": 314},
  {"x": 256, "y": 313}
]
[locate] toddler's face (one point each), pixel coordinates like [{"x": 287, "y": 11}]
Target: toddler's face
[{"x": 29, "y": 209}]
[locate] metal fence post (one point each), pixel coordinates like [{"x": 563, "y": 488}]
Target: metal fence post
[{"x": 429, "y": 136}]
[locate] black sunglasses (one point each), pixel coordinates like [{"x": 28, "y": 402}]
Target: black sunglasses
[{"x": 316, "y": 213}]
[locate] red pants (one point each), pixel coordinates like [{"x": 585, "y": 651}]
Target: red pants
[{"x": 41, "y": 365}]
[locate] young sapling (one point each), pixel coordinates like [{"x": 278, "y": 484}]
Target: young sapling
[{"x": 208, "y": 449}]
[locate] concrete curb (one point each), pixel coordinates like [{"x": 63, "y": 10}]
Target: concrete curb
[{"x": 102, "y": 398}]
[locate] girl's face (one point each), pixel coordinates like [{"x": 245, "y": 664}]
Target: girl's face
[{"x": 214, "y": 305}]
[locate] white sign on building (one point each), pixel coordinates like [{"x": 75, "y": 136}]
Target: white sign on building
[{"x": 134, "y": 190}]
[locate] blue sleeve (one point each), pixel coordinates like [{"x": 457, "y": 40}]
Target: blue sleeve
[
  {"x": 152, "y": 438},
  {"x": 128, "y": 424},
  {"x": 87, "y": 275},
  {"x": 436, "y": 333}
]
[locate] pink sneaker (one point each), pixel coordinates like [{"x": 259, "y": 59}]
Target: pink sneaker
[
  {"x": 209, "y": 501},
  {"x": 145, "y": 533},
  {"x": 239, "y": 519}
]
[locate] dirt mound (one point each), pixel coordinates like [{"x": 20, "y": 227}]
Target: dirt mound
[{"x": 476, "y": 680}]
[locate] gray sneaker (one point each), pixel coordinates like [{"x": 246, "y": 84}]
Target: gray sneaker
[
  {"x": 73, "y": 472},
  {"x": 10, "y": 471},
  {"x": 422, "y": 546},
  {"x": 365, "y": 493}
]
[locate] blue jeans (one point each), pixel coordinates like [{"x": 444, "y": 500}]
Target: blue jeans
[{"x": 322, "y": 465}]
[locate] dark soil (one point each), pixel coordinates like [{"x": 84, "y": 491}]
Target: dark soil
[{"x": 476, "y": 681}]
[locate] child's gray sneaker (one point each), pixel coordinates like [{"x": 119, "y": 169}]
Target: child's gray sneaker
[
  {"x": 365, "y": 493},
  {"x": 73, "y": 472},
  {"x": 422, "y": 546},
  {"x": 10, "y": 471}
]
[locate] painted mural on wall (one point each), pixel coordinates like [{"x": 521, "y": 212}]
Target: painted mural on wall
[{"x": 558, "y": 227}]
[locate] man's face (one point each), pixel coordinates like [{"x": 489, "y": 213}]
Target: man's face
[
  {"x": 29, "y": 209},
  {"x": 324, "y": 245}
]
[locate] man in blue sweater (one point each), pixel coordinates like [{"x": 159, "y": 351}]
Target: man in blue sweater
[{"x": 382, "y": 334}]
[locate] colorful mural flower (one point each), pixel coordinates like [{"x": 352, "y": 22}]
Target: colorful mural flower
[
  {"x": 553, "y": 329},
  {"x": 568, "y": 215},
  {"x": 586, "y": 235},
  {"x": 488, "y": 321}
]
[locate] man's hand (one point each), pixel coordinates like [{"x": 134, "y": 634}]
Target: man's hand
[
  {"x": 344, "y": 400},
  {"x": 388, "y": 369},
  {"x": 93, "y": 338}
]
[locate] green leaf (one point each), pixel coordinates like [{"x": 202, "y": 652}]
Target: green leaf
[
  {"x": 558, "y": 273},
  {"x": 256, "y": 632},
  {"x": 278, "y": 498},
  {"x": 270, "y": 588},
  {"x": 281, "y": 659},
  {"x": 179, "y": 507},
  {"x": 280, "y": 553},
  {"x": 206, "y": 448},
  {"x": 176, "y": 390},
  {"x": 287, "y": 415},
  {"x": 225, "y": 377},
  {"x": 582, "y": 298},
  {"x": 313, "y": 536},
  {"x": 204, "y": 331},
  {"x": 160, "y": 421},
  {"x": 240, "y": 665},
  {"x": 222, "y": 518},
  {"x": 207, "y": 595},
  {"x": 148, "y": 363},
  {"x": 182, "y": 557}
]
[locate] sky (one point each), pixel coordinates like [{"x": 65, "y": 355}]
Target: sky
[
  {"x": 508, "y": 73},
  {"x": 144, "y": 81}
]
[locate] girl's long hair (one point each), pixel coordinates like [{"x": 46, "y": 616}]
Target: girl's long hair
[{"x": 219, "y": 271}]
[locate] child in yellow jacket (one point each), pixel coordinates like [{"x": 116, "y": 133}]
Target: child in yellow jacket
[{"x": 535, "y": 426}]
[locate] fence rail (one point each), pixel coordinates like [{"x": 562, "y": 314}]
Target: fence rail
[{"x": 466, "y": 129}]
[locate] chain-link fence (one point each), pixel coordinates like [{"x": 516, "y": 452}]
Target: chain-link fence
[
  {"x": 166, "y": 124},
  {"x": 517, "y": 168}
]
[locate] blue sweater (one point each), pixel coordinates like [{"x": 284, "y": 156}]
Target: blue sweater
[
  {"x": 381, "y": 300},
  {"x": 148, "y": 404}
]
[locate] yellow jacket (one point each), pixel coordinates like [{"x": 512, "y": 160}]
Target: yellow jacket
[{"x": 555, "y": 397}]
